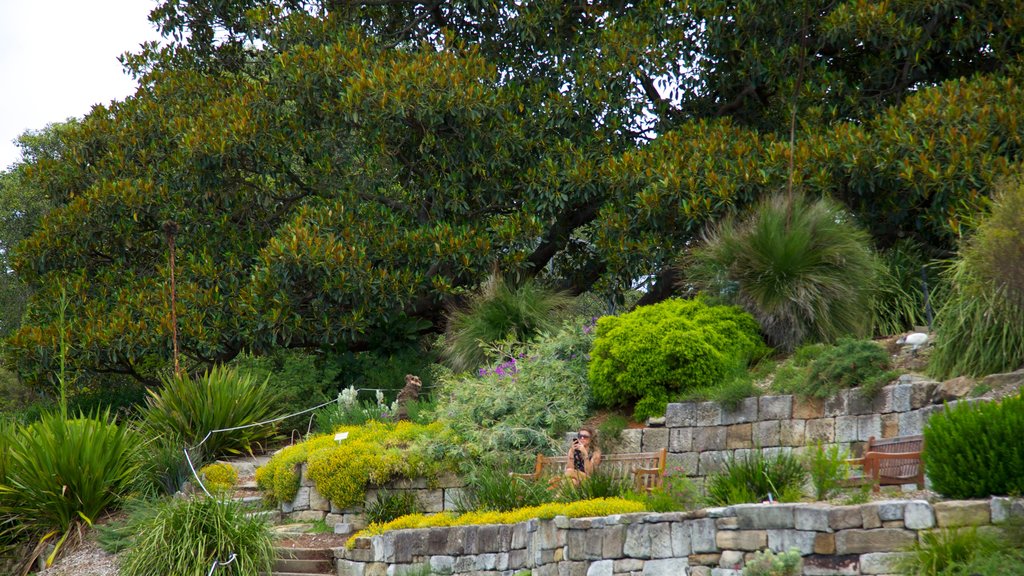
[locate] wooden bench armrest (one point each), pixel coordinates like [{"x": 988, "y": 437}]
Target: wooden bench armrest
[
  {"x": 855, "y": 461},
  {"x": 892, "y": 455},
  {"x": 523, "y": 475}
]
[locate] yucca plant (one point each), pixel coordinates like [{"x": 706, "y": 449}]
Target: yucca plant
[
  {"x": 222, "y": 398},
  {"x": 799, "y": 265},
  {"x": 64, "y": 471},
  {"x": 185, "y": 538},
  {"x": 499, "y": 312}
]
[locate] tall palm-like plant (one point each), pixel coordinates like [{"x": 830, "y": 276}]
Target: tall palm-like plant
[
  {"x": 500, "y": 312},
  {"x": 798, "y": 265}
]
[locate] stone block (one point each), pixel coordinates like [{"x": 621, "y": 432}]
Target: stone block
[
  {"x": 820, "y": 430},
  {"x": 709, "y": 414},
  {"x": 612, "y": 540},
  {"x": 702, "y": 535},
  {"x": 680, "y": 415},
  {"x": 654, "y": 439},
  {"x": 339, "y": 527},
  {"x": 836, "y": 405},
  {"x": 300, "y": 502},
  {"x": 638, "y": 542},
  {"x": 517, "y": 559},
  {"x": 808, "y": 408},
  {"x": 825, "y": 543},
  {"x": 376, "y": 569},
  {"x": 708, "y": 559},
  {"x": 746, "y": 411},
  {"x": 765, "y": 516},
  {"x": 775, "y": 407},
  {"x": 767, "y": 433},
  {"x": 700, "y": 571},
  {"x": 868, "y": 426},
  {"x": 741, "y": 539},
  {"x": 681, "y": 534},
  {"x": 869, "y": 517},
  {"x": 317, "y": 501},
  {"x": 626, "y": 565},
  {"x": 680, "y": 440},
  {"x": 918, "y": 515},
  {"x": 808, "y": 517},
  {"x": 830, "y": 565},
  {"x": 712, "y": 438},
  {"x": 856, "y": 541},
  {"x": 921, "y": 394},
  {"x": 962, "y": 513},
  {"x": 902, "y": 395},
  {"x": 725, "y": 572},
  {"x": 711, "y": 462},
  {"x": 601, "y": 568},
  {"x": 630, "y": 440},
  {"x": 739, "y": 436},
  {"x": 845, "y": 517},
  {"x": 880, "y": 562},
  {"x": 857, "y": 404},
  {"x": 890, "y": 425},
  {"x": 732, "y": 559},
  {"x": 686, "y": 463},
  {"x": 1005, "y": 508},
  {"x": 846, "y": 429},
  {"x": 452, "y": 497},
  {"x": 441, "y": 564},
  {"x": 576, "y": 545},
  {"x": 661, "y": 539},
  {"x": 727, "y": 523},
  {"x": 791, "y": 432},
  {"x": 890, "y": 510},
  {"x": 911, "y": 423},
  {"x": 431, "y": 501},
  {"x": 572, "y": 568},
  {"x": 882, "y": 403},
  {"x": 665, "y": 567}
]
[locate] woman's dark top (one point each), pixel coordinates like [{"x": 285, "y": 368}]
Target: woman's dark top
[{"x": 577, "y": 461}]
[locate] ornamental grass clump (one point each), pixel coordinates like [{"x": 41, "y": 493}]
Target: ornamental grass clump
[
  {"x": 222, "y": 398},
  {"x": 798, "y": 264},
  {"x": 757, "y": 477},
  {"x": 185, "y": 537},
  {"x": 655, "y": 352}
]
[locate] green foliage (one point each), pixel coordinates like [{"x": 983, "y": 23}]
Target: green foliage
[
  {"x": 222, "y": 398},
  {"x": 299, "y": 380},
  {"x": 753, "y": 477},
  {"x": 848, "y": 364},
  {"x": 209, "y": 529},
  {"x": 977, "y": 328},
  {"x": 899, "y": 303},
  {"x": 737, "y": 386},
  {"x": 1005, "y": 562},
  {"x": 828, "y": 469},
  {"x": 88, "y": 457},
  {"x": 500, "y": 312},
  {"x": 370, "y": 455},
  {"x": 508, "y": 414},
  {"x": 219, "y": 476},
  {"x": 946, "y": 551},
  {"x": 800, "y": 266},
  {"x": 596, "y": 485},
  {"x": 609, "y": 431},
  {"x": 496, "y": 490},
  {"x": 654, "y": 351},
  {"x": 163, "y": 468},
  {"x": 384, "y": 370},
  {"x": 767, "y": 563},
  {"x": 974, "y": 450},
  {"x": 676, "y": 493},
  {"x": 120, "y": 533},
  {"x": 349, "y": 411},
  {"x": 390, "y": 505}
]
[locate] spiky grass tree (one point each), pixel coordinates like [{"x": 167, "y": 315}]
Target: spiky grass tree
[
  {"x": 800, "y": 266},
  {"x": 499, "y": 312}
]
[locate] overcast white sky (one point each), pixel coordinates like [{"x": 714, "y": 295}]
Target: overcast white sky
[{"x": 59, "y": 57}]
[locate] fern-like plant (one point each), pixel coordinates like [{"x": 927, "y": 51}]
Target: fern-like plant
[{"x": 799, "y": 265}]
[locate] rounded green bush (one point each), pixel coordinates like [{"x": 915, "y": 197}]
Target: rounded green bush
[
  {"x": 647, "y": 355},
  {"x": 975, "y": 450}
]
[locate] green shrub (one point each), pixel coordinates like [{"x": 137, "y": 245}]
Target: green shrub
[
  {"x": 755, "y": 476},
  {"x": 185, "y": 537},
  {"x": 60, "y": 472},
  {"x": 1005, "y": 562},
  {"x": 799, "y": 265},
  {"x": 849, "y": 364},
  {"x": 300, "y": 380},
  {"x": 494, "y": 489},
  {"x": 975, "y": 450},
  {"x": 388, "y": 505},
  {"x": 596, "y": 485},
  {"x": 120, "y": 532},
  {"x": 767, "y": 563},
  {"x": 219, "y": 476},
  {"x": 500, "y": 312},
  {"x": 828, "y": 469},
  {"x": 222, "y": 398},
  {"x": 946, "y": 551},
  {"x": 977, "y": 330},
  {"x": 509, "y": 413},
  {"x": 383, "y": 370},
  {"x": 657, "y": 351},
  {"x": 350, "y": 411},
  {"x": 609, "y": 431},
  {"x": 163, "y": 469},
  {"x": 676, "y": 493},
  {"x": 899, "y": 303},
  {"x": 370, "y": 455}
]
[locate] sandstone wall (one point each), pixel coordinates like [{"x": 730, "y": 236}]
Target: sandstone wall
[{"x": 833, "y": 540}]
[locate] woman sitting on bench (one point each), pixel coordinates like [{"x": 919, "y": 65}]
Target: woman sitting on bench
[{"x": 583, "y": 458}]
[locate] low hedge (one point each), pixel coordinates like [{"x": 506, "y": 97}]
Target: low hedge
[{"x": 578, "y": 509}]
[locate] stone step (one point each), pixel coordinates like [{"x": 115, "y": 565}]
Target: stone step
[
  {"x": 304, "y": 553},
  {"x": 275, "y": 573},
  {"x": 296, "y": 566}
]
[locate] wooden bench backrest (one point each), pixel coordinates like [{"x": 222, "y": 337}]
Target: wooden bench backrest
[
  {"x": 615, "y": 465},
  {"x": 895, "y": 470}
]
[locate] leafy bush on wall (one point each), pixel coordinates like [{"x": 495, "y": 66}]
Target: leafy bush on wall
[{"x": 656, "y": 351}]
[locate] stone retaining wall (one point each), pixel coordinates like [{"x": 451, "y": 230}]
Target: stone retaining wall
[
  {"x": 701, "y": 436},
  {"x": 833, "y": 540},
  {"x": 309, "y": 505}
]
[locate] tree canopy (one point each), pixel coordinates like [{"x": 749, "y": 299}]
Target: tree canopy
[{"x": 336, "y": 171}]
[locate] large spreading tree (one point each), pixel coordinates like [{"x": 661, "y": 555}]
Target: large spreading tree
[{"x": 331, "y": 172}]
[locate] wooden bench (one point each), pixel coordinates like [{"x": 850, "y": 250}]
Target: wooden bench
[
  {"x": 646, "y": 468},
  {"x": 891, "y": 461}
]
